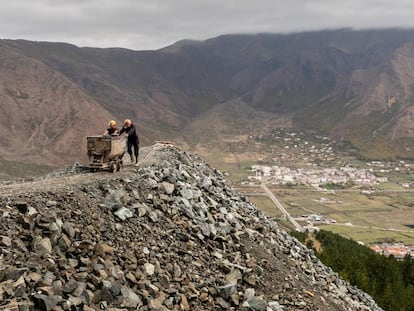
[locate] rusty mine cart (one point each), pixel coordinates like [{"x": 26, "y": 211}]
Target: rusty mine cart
[{"x": 105, "y": 152}]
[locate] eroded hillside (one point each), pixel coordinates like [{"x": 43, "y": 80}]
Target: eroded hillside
[
  {"x": 170, "y": 234},
  {"x": 353, "y": 85},
  {"x": 44, "y": 116}
]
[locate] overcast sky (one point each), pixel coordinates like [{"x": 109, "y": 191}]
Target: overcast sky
[{"x": 153, "y": 24}]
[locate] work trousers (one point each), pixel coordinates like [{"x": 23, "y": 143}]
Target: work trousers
[{"x": 133, "y": 144}]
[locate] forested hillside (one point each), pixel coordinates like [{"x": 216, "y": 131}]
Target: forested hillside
[{"x": 388, "y": 280}]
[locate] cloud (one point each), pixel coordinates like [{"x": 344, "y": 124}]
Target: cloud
[{"x": 139, "y": 25}]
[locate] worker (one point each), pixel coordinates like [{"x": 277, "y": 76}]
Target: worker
[
  {"x": 112, "y": 129},
  {"x": 133, "y": 140}
]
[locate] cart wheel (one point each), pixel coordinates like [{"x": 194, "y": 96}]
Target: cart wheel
[{"x": 113, "y": 167}]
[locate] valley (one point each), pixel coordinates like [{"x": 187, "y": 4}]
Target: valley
[{"x": 372, "y": 203}]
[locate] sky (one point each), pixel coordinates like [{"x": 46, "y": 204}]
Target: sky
[{"x": 154, "y": 24}]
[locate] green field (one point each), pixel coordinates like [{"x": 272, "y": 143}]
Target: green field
[
  {"x": 369, "y": 218},
  {"x": 369, "y": 236}
]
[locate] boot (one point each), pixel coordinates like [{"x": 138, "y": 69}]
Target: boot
[{"x": 132, "y": 158}]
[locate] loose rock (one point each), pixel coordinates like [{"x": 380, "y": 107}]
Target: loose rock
[{"x": 170, "y": 234}]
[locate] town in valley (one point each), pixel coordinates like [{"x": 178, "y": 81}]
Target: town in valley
[{"x": 317, "y": 183}]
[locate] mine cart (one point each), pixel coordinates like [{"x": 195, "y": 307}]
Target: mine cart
[{"x": 106, "y": 152}]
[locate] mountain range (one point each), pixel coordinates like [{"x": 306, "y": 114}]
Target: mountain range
[{"x": 356, "y": 86}]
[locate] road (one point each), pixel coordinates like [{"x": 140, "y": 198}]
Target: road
[{"x": 280, "y": 207}]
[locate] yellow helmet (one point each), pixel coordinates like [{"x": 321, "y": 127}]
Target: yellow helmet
[{"x": 112, "y": 123}]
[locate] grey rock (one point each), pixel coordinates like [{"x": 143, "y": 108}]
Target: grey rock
[
  {"x": 5, "y": 241},
  {"x": 51, "y": 203},
  {"x": 68, "y": 229},
  {"x": 185, "y": 240},
  {"x": 129, "y": 298},
  {"x": 227, "y": 290},
  {"x": 167, "y": 187},
  {"x": 257, "y": 304},
  {"x": 43, "y": 246},
  {"x": 149, "y": 268},
  {"x": 123, "y": 213}
]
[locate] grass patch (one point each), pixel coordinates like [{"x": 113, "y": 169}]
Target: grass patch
[
  {"x": 371, "y": 236},
  {"x": 266, "y": 206}
]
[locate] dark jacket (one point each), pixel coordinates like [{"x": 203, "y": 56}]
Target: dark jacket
[
  {"x": 112, "y": 130},
  {"x": 131, "y": 132}
]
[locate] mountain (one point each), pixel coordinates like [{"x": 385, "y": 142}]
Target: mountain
[
  {"x": 170, "y": 234},
  {"x": 43, "y": 112},
  {"x": 353, "y": 85}
]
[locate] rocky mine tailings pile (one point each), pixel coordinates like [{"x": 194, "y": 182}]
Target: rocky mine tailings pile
[{"x": 170, "y": 234}]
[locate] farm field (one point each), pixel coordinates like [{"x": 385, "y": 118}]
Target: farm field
[{"x": 384, "y": 216}]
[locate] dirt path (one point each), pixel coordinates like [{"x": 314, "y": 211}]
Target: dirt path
[
  {"x": 49, "y": 184},
  {"x": 84, "y": 176}
]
